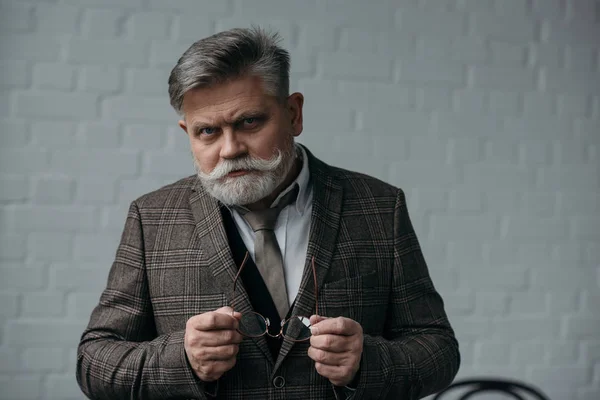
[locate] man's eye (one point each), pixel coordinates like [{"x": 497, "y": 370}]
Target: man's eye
[
  {"x": 207, "y": 131},
  {"x": 250, "y": 122}
]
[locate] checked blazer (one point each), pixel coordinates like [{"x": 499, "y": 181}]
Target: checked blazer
[{"x": 174, "y": 262}]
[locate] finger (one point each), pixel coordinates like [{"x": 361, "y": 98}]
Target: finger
[
  {"x": 229, "y": 311},
  {"x": 219, "y": 353},
  {"x": 213, "y": 321},
  {"x": 337, "y": 326},
  {"x": 224, "y": 310},
  {"x": 332, "y": 343},
  {"x": 213, "y": 370},
  {"x": 333, "y": 373},
  {"x": 217, "y": 338},
  {"x": 314, "y": 319},
  {"x": 326, "y": 357}
]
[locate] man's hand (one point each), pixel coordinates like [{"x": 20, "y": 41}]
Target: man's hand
[
  {"x": 211, "y": 343},
  {"x": 336, "y": 347}
]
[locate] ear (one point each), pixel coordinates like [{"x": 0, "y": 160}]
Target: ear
[
  {"x": 295, "y": 102},
  {"x": 182, "y": 125}
]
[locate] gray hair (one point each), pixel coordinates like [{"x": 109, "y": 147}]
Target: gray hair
[{"x": 228, "y": 55}]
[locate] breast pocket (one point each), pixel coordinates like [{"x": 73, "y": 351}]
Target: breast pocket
[{"x": 362, "y": 298}]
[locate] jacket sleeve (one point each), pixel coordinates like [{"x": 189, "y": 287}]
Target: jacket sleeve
[
  {"x": 419, "y": 354},
  {"x": 120, "y": 355}
]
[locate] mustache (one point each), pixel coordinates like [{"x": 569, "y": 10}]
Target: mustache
[{"x": 242, "y": 163}]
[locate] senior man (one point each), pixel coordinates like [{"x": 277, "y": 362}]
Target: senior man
[{"x": 268, "y": 274}]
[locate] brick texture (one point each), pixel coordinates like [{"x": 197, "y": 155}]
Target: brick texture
[{"x": 486, "y": 112}]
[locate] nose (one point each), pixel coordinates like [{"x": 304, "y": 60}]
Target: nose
[{"x": 233, "y": 146}]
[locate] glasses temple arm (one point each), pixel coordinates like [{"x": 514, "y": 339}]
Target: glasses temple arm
[
  {"x": 316, "y": 288},
  {"x": 235, "y": 281}
]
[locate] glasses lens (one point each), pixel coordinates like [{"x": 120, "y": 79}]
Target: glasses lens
[
  {"x": 252, "y": 324},
  {"x": 297, "y": 328}
]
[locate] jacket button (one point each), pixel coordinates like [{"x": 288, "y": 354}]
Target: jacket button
[{"x": 279, "y": 382}]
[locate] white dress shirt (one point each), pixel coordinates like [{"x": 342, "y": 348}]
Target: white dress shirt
[{"x": 291, "y": 229}]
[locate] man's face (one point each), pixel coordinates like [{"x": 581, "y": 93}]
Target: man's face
[{"x": 242, "y": 139}]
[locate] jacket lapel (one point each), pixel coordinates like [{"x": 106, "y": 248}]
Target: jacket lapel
[
  {"x": 216, "y": 253},
  {"x": 325, "y": 218}
]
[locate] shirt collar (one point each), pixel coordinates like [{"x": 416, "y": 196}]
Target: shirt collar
[{"x": 303, "y": 182}]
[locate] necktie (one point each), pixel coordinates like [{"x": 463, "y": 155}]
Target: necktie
[{"x": 267, "y": 255}]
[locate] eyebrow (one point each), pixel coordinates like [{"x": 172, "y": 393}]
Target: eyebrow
[{"x": 252, "y": 113}]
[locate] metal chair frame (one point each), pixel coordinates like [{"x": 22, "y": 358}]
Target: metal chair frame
[{"x": 510, "y": 387}]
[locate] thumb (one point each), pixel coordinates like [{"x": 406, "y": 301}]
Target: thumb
[
  {"x": 315, "y": 319},
  {"x": 229, "y": 311}
]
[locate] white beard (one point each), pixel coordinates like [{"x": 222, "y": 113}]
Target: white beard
[{"x": 264, "y": 177}]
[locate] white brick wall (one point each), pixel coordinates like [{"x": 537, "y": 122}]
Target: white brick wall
[{"x": 487, "y": 112}]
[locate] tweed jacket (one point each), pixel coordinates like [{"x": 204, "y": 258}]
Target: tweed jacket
[{"x": 174, "y": 262}]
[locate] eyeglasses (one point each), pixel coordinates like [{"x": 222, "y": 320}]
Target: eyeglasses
[{"x": 253, "y": 324}]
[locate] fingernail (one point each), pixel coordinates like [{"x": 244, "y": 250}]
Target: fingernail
[{"x": 314, "y": 331}]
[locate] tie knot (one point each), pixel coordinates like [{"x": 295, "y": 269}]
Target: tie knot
[{"x": 266, "y": 219}]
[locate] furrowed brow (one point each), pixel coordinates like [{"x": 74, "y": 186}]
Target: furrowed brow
[
  {"x": 236, "y": 119},
  {"x": 197, "y": 127},
  {"x": 249, "y": 114}
]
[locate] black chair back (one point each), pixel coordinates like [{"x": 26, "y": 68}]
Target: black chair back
[{"x": 515, "y": 389}]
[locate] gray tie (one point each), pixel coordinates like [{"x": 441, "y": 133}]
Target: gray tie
[{"x": 267, "y": 255}]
